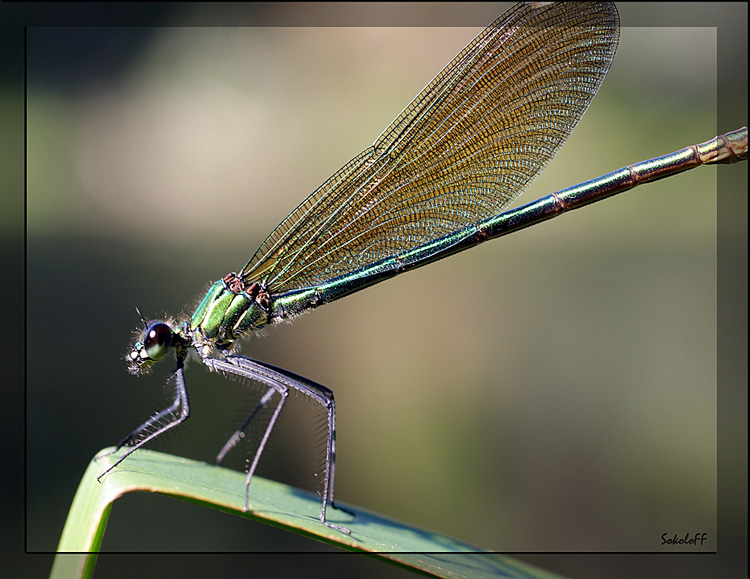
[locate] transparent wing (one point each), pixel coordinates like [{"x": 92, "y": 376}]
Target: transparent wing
[{"x": 462, "y": 151}]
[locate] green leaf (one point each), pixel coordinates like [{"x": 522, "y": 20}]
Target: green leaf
[{"x": 272, "y": 502}]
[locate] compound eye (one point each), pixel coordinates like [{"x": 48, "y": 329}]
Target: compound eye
[{"x": 157, "y": 340}]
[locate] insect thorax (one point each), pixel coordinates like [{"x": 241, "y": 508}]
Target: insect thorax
[{"x": 229, "y": 310}]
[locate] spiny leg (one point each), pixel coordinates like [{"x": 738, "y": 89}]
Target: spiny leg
[
  {"x": 240, "y": 432},
  {"x": 279, "y": 379},
  {"x": 179, "y": 410}
]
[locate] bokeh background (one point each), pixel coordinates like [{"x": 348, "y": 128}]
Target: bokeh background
[{"x": 553, "y": 391}]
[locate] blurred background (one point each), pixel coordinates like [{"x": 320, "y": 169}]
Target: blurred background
[{"x": 562, "y": 397}]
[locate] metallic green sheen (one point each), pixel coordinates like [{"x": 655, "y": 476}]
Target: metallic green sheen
[
  {"x": 238, "y": 306},
  {"x": 252, "y": 318},
  {"x": 200, "y": 311},
  {"x": 212, "y": 323},
  {"x": 224, "y": 315}
]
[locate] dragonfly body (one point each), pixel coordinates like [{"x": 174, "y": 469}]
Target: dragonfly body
[
  {"x": 231, "y": 309},
  {"x": 436, "y": 181}
]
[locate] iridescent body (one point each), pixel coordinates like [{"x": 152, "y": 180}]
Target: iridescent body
[{"x": 435, "y": 182}]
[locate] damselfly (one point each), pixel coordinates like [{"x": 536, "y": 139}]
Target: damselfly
[{"x": 434, "y": 183}]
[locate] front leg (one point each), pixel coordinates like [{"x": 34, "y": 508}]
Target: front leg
[{"x": 176, "y": 412}]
